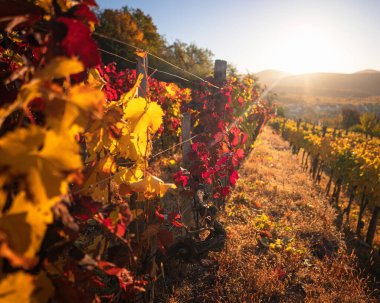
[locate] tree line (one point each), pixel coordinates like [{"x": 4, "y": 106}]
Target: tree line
[{"x": 136, "y": 28}]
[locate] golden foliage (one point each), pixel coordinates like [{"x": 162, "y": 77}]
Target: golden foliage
[{"x": 23, "y": 287}]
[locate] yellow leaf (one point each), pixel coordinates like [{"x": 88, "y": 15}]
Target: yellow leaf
[
  {"x": 143, "y": 115},
  {"x": 24, "y": 226},
  {"x": 74, "y": 113},
  {"x": 137, "y": 145},
  {"x": 171, "y": 89},
  {"x": 45, "y": 159},
  {"x": 100, "y": 137},
  {"x": 144, "y": 119},
  {"x": 3, "y": 198},
  {"x": 109, "y": 166},
  {"x": 35, "y": 89},
  {"x": 95, "y": 80},
  {"x": 151, "y": 185},
  {"x": 96, "y": 182},
  {"x": 130, "y": 175},
  {"x": 45, "y": 4},
  {"x": 87, "y": 98},
  {"x": 26, "y": 288},
  {"x": 132, "y": 92},
  {"x": 60, "y": 67},
  {"x": 141, "y": 53}
]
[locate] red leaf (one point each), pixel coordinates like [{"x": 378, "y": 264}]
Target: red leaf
[
  {"x": 109, "y": 268},
  {"x": 120, "y": 229},
  {"x": 225, "y": 191},
  {"x": 180, "y": 179},
  {"x": 195, "y": 146},
  {"x": 171, "y": 217},
  {"x": 78, "y": 42},
  {"x": 236, "y": 132},
  {"x": 90, "y": 2},
  {"x": 235, "y": 141},
  {"x": 82, "y": 11},
  {"x": 218, "y": 137},
  {"x": 244, "y": 138},
  {"x": 239, "y": 153},
  {"x": 233, "y": 177},
  {"x": 221, "y": 161}
]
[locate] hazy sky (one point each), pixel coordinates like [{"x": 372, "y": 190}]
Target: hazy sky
[{"x": 290, "y": 35}]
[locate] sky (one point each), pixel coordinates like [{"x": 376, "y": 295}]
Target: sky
[{"x": 296, "y": 36}]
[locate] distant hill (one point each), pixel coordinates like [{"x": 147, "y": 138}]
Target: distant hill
[
  {"x": 368, "y": 71},
  {"x": 357, "y": 85},
  {"x": 271, "y": 75}
]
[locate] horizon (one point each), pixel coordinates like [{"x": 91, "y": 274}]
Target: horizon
[
  {"x": 298, "y": 37},
  {"x": 366, "y": 70}
]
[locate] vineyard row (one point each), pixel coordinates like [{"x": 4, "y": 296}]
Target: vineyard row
[{"x": 350, "y": 160}]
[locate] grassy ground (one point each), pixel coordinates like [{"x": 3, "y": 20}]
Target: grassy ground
[{"x": 283, "y": 244}]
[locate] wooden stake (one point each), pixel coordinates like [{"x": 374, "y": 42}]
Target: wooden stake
[
  {"x": 220, "y": 71},
  {"x": 186, "y": 147},
  {"x": 142, "y": 67}
]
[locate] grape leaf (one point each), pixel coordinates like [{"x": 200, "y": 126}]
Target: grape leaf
[
  {"x": 46, "y": 159},
  {"x": 60, "y": 67},
  {"x": 24, "y": 287},
  {"x": 24, "y": 226},
  {"x": 151, "y": 186},
  {"x": 144, "y": 118}
]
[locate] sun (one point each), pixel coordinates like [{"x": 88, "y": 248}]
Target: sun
[{"x": 305, "y": 48}]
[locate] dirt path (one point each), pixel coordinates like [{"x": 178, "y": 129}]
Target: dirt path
[{"x": 283, "y": 245}]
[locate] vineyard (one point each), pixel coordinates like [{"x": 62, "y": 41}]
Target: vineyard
[
  {"x": 85, "y": 213},
  {"x": 351, "y": 162},
  {"x": 118, "y": 185}
]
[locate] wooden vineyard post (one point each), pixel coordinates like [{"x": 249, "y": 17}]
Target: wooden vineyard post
[
  {"x": 186, "y": 147},
  {"x": 220, "y": 75},
  {"x": 220, "y": 71},
  {"x": 142, "y": 67}
]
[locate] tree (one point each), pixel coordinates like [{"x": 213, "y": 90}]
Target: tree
[
  {"x": 136, "y": 28},
  {"x": 350, "y": 117},
  {"x": 232, "y": 71},
  {"x": 131, "y": 26},
  {"x": 190, "y": 57}
]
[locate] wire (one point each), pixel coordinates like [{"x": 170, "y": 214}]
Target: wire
[
  {"x": 157, "y": 57},
  {"x": 117, "y": 56},
  {"x": 151, "y": 68},
  {"x": 175, "y": 145},
  {"x": 124, "y": 170},
  {"x": 167, "y": 73}
]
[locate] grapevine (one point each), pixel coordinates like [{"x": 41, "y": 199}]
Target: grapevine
[{"x": 82, "y": 215}]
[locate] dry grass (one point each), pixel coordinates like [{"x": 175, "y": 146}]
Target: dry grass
[{"x": 283, "y": 245}]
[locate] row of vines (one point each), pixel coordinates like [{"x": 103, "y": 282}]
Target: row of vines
[
  {"x": 84, "y": 216},
  {"x": 350, "y": 160}
]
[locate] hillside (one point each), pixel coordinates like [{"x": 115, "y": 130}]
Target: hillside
[
  {"x": 270, "y": 76},
  {"x": 357, "y": 85},
  {"x": 368, "y": 71}
]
